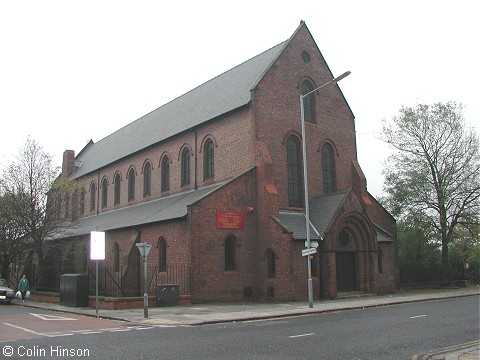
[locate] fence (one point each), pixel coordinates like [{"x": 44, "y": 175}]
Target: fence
[
  {"x": 120, "y": 281},
  {"x": 430, "y": 273}
]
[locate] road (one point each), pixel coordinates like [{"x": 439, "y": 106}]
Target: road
[{"x": 390, "y": 332}]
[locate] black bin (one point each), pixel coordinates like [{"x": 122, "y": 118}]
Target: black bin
[
  {"x": 168, "y": 295},
  {"x": 74, "y": 290}
]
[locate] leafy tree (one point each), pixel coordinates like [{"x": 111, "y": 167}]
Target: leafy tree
[
  {"x": 418, "y": 252},
  {"x": 435, "y": 170},
  {"x": 13, "y": 242}
]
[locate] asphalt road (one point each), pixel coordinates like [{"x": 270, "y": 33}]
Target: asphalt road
[{"x": 390, "y": 332}]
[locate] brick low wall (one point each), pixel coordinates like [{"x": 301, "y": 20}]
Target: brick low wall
[{"x": 107, "y": 303}]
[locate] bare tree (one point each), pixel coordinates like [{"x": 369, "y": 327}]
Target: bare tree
[
  {"x": 28, "y": 180},
  {"x": 435, "y": 170}
]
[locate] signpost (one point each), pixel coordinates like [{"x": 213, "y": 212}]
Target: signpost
[
  {"x": 309, "y": 251},
  {"x": 97, "y": 252},
  {"x": 144, "y": 249}
]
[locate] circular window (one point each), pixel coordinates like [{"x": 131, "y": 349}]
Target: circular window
[
  {"x": 344, "y": 238},
  {"x": 305, "y": 57}
]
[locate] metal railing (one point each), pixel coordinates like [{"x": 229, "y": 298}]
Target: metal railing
[{"x": 118, "y": 281}]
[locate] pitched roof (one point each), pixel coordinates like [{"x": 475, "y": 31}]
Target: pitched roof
[
  {"x": 218, "y": 96},
  {"x": 161, "y": 209},
  {"x": 322, "y": 212}
]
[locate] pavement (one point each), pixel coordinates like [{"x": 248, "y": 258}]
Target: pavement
[{"x": 200, "y": 314}]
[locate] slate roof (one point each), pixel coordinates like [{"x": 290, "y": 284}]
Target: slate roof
[
  {"x": 382, "y": 235},
  {"x": 323, "y": 210},
  {"x": 294, "y": 222},
  {"x": 216, "y": 97},
  {"x": 161, "y": 209}
]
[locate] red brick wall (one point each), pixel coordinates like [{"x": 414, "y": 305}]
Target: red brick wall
[
  {"x": 210, "y": 281},
  {"x": 253, "y": 137},
  {"x": 277, "y": 115}
]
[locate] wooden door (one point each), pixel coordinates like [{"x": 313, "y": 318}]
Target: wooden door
[{"x": 345, "y": 271}]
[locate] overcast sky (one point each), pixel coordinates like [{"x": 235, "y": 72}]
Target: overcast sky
[{"x": 71, "y": 71}]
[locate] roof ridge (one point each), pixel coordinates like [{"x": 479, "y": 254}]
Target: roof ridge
[{"x": 215, "y": 97}]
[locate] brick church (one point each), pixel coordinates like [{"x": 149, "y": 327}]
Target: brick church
[{"x": 213, "y": 180}]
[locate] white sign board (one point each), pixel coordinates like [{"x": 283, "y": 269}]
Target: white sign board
[
  {"x": 308, "y": 251},
  {"x": 97, "y": 245},
  {"x": 144, "y": 249},
  {"x": 312, "y": 244}
]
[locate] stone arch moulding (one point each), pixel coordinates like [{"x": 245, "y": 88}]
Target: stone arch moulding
[
  {"x": 167, "y": 154},
  {"x": 360, "y": 227},
  {"x": 183, "y": 147},
  {"x": 330, "y": 142},
  {"x": 145, "y": 164},
  {"x": 291, "y": 133},
  {"x": 131, "y": 167},
  {"x": 205, "y": 139},
  {"x": 115, "y": 176},
  {"x": 272, "y": 250},
  {"x": 310, "y": 80},
  {"x": 105, "y": 177}
]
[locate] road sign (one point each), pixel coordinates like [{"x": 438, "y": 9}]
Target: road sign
[
  {"x": 97, "y": 245},
  {"x": 313, "y": 244},
  {"x": 308, "y": 251},
  {"x": 144, "y": 249}
]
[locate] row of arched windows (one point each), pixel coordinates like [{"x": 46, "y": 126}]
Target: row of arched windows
[
  {"x": 295, "y": 171},
  {"x": 230, "y": 246},
  {"x": 185, "y": 178},
  {"x": 230, "y": 256},
  {"x": 294, "y": 166}
]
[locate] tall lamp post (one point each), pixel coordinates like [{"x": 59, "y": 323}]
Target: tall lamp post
[{"x": 305, "y": 182}]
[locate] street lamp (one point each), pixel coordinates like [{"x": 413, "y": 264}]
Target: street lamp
[{"x": 305, "y": 182}]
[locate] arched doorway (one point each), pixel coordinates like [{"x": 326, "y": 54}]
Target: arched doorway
[
  {"x": 354, "y": 246},
  {"x": 346, "y": 262}
]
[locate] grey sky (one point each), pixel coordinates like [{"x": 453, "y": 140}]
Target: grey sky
[{"x": 75, "y": 71}]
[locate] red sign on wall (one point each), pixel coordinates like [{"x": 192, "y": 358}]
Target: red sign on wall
[{"x": 233, "y": 220}]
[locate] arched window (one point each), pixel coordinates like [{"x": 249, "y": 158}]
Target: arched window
[
  {"x": 294, "y": 172},
  {"x": 230, "y": 245},
  {"x": 380, "y": 260},
  {"x": 328, "y": 168},
  {"x": 208, "y": 159},
  {"x": 82, "y": 201},
  {"x": 165, "y": 174},
  {"x": 131, "y": 185},
  {"x": 104, "y": 193},
  {"x": 314, "y": 265},
  {"x": 116, "y": 197},
  {"x": 308, "y": 102},
  {"x": 344, "y": 238},
  {"x": 84, "y": 259},
  {"x": 185, "y": 167},
  {"x": 67, "y": 205},
  {"x": 147, "y": 180},
  {"x": 75, "y": 205},
  {"x": 116, "y": 257},
  {"x": 58, "y": 207},
  {"x": 270, "y": 257},
  {"x": 93, "y": 196},
  {"x": 162, "y": 254}
]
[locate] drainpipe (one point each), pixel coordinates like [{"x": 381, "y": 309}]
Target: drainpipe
[{"x": 196, "y": 161}]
